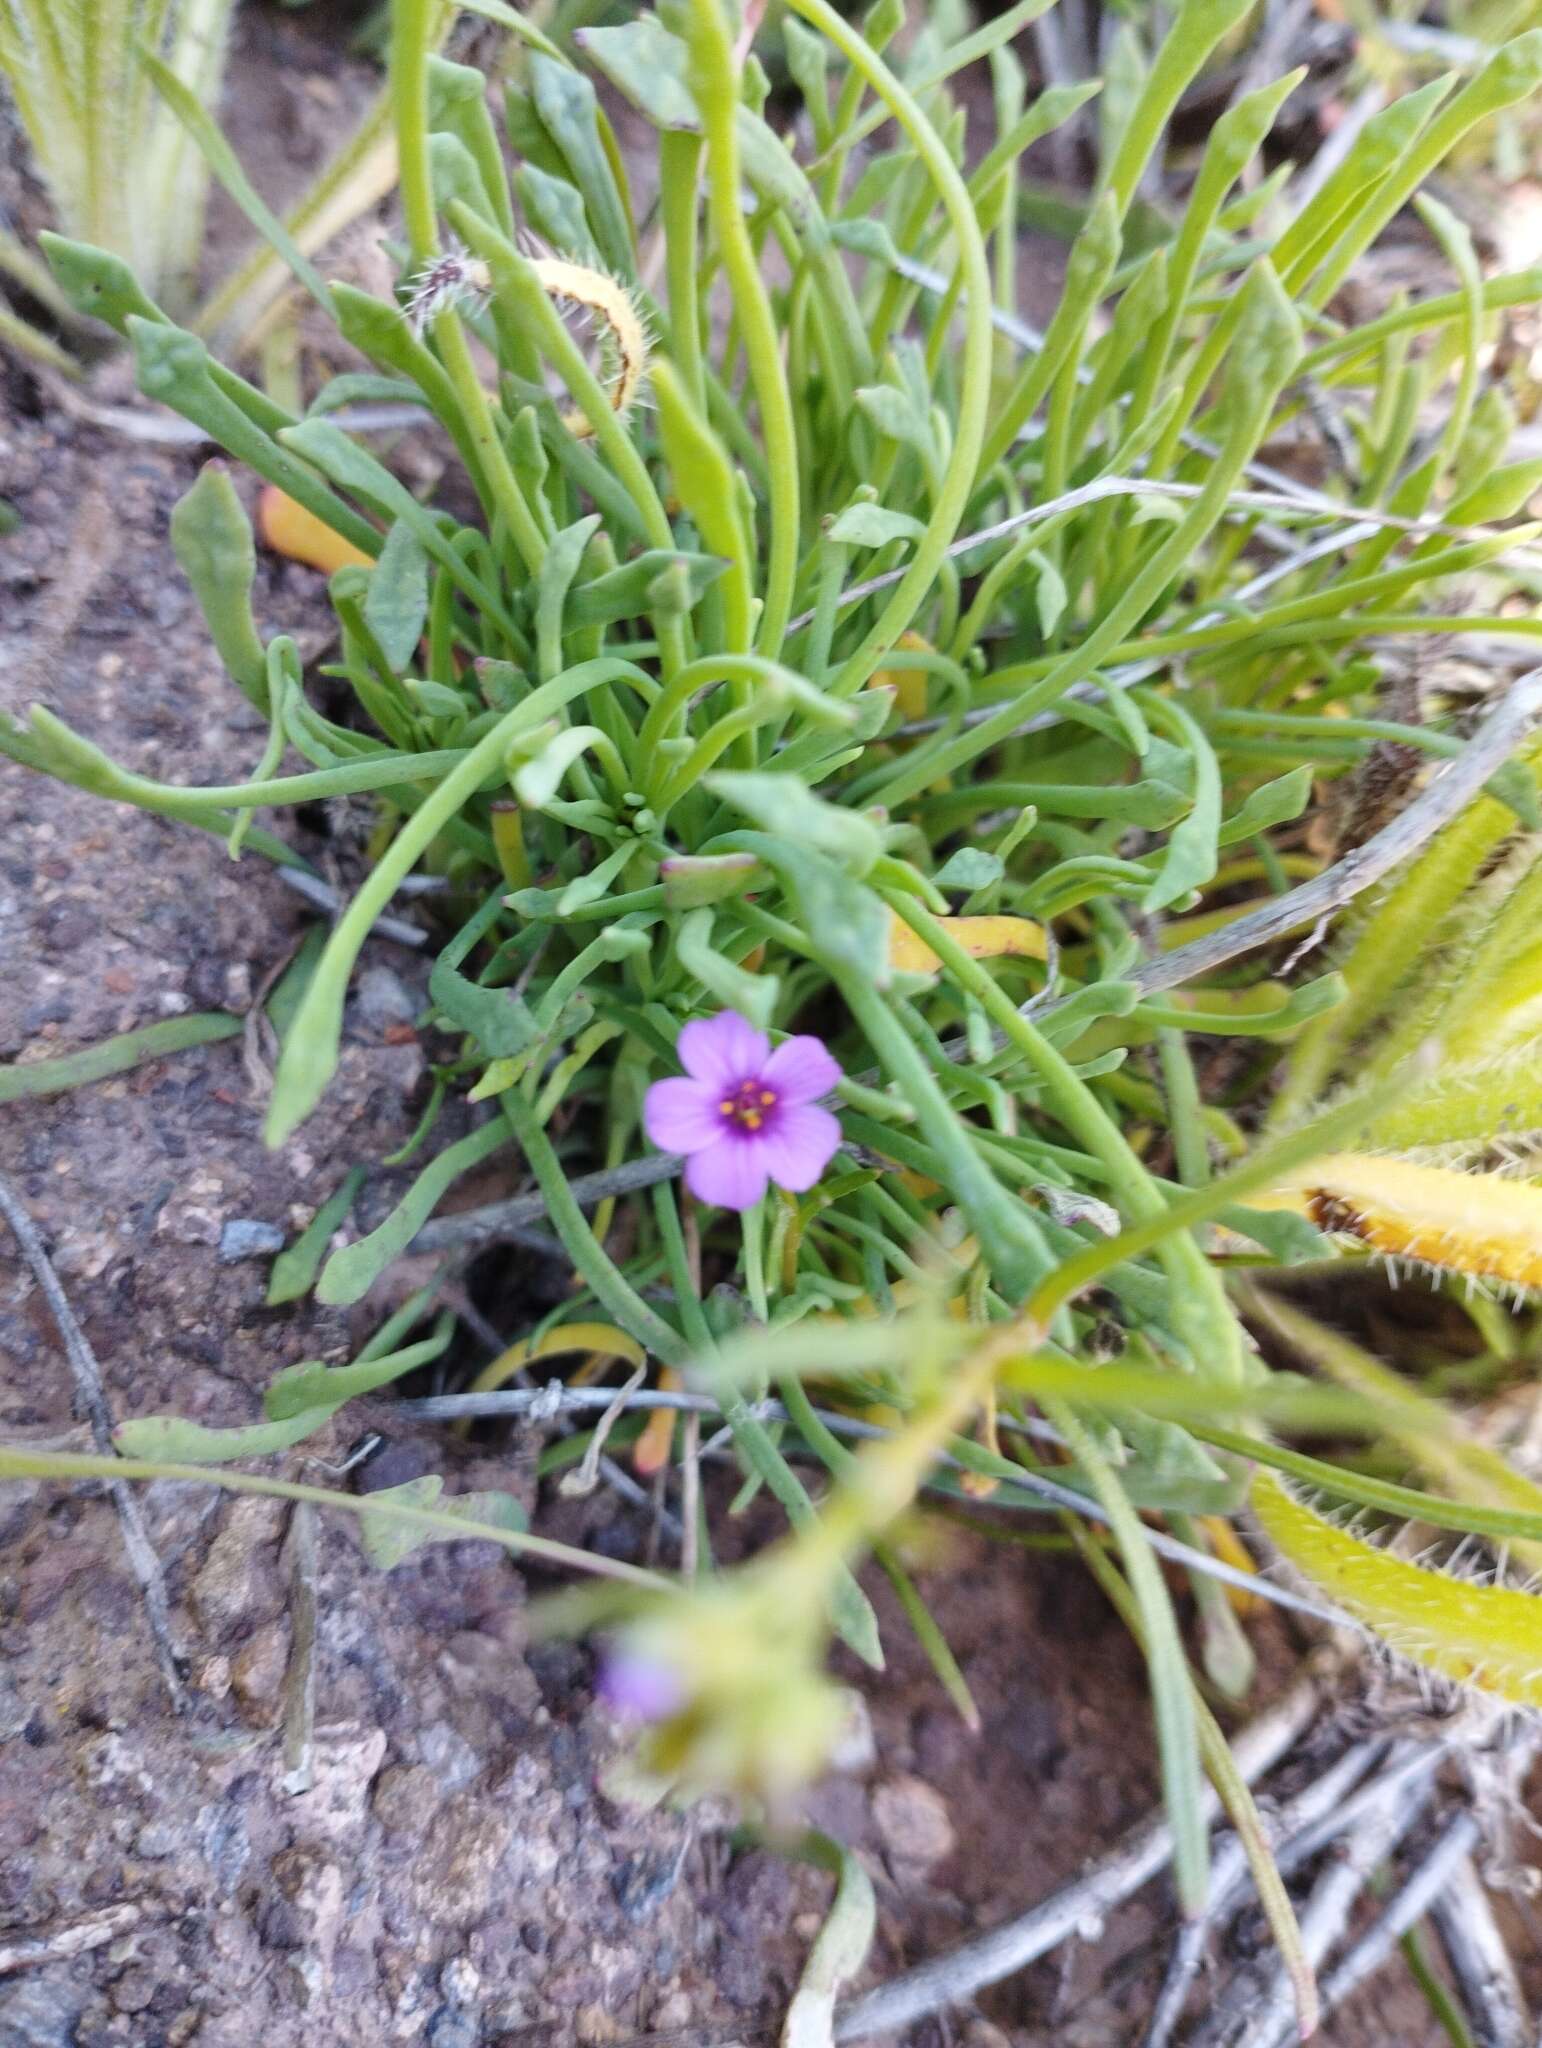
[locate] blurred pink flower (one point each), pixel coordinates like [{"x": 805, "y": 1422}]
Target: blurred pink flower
[
  {"x": 743, "y": 1115},
  {"x": 639, "y": 1688}
]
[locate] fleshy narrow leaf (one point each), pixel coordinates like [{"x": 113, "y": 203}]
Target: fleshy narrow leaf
[
  {"x": 350, "y": 1273},
  {"x": 114, "y": 1055},
  {"x": 839, "y": 1951},
  {"x": 396, "y": 604},
  {"x": 297, "y": 1265},
  {"x": 388, "y": 1541}
]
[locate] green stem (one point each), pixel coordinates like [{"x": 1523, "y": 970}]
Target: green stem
[
  {"x": 1172, "y": 1688},
  {"x": 508, "y": 498},
  {"x": 1268, "y": 349},
  {"x": 975, "y": 369},
  {"x": 1202, "y": 1313},
  {"x": 516, "y": 284},
  {"x": 679, "y": 170},
  {"x": 1008, "y": 1237},
  {"x": 29, "y": 1464},
  {"x": 89, "y": 768},
  {"x": 598, "y": 1270},
  {"x": 1269, "y": 1164},
  {"x": 672, "y": 1235},
  {"x": 1184, "y": 1109},
  {"x": 310, "y": 1052},
  {"x": 754, "y": 1240},
  {"x": 409, "y": 91},
  {"x": 717, "y": 94},
  {"x": 702, "y": 675}
]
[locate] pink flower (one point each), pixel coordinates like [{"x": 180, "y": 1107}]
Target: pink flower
[{"x": 744, "y": 1115}]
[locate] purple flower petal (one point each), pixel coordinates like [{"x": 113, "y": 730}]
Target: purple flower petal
[
  {"x": 730, "y": 1174},
  {"x": 640, "y": 1688},
  {"x": 682, "y": 1115},
  {"x": 723, "y": 1050},
  {"x": 797, "y": 1145},
  {"x": 800, "y": 1071}
]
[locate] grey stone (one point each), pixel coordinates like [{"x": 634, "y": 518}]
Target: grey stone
[
  {"x": 39, "y": 2013},
  {"x": 224, "y": 1842},
  {"x": 244, "y": 1237},
  {"x": 460, "y": 1980},
  {"x": 382, "y": 998},
  {"x": 452, "y": 2027},
  {"x": 155, "y": 1840},
  {"x": 449, "y": 1756}
]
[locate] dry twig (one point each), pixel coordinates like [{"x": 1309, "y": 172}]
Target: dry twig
[
  {"x": 77, "y": 1939},
  {"x": 1451, "y": 789},
  {"x": 91, "y": 1401},
  {"x": 300, "y": 1679},
  {"x": 1407, "y": 1907},
  {"x": 1229, "y": 1881},
  {"x": 1258, "y": 2014},
  {"x": 498, "y": 1222},
  {"x": 1442, "y": 1880},
  {"x": 955, "y": 1977},
  {"x": 326, "y": 898},
  {"x": 1480, "y": 1961}
]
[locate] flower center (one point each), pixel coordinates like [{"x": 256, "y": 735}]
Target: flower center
[{"x": 747, "y": 1106}]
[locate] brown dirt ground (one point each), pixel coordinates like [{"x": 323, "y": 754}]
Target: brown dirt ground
[{"x": 455, "y": 1876}]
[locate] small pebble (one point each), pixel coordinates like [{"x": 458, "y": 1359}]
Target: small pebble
[
  {"x": 133, "y": 1990},
  {"x": 382, "y": 998},
  {"x": 406, "y": 1798},
  {"x": 257, "y": 1672},
  {"x": 912, "y": 1820},
  {"x": 244, "y": 1237}
]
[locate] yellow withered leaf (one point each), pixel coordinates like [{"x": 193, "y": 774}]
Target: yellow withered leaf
[
  {"x": 1229, "y": 1547},
  {"x": 982, "y": 938},
  {"x": 650, "y": 1453},
  {"x": 290, "y": 530},
  {"x": 1477, "y": 1223},
  {"x": 908, "y": 684}
]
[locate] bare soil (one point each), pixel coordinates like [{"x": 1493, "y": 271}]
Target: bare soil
[{"x": 455, "y": 1874}]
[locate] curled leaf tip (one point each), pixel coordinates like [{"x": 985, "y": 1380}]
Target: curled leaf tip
[{"x": 1481, "y": 1224}]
